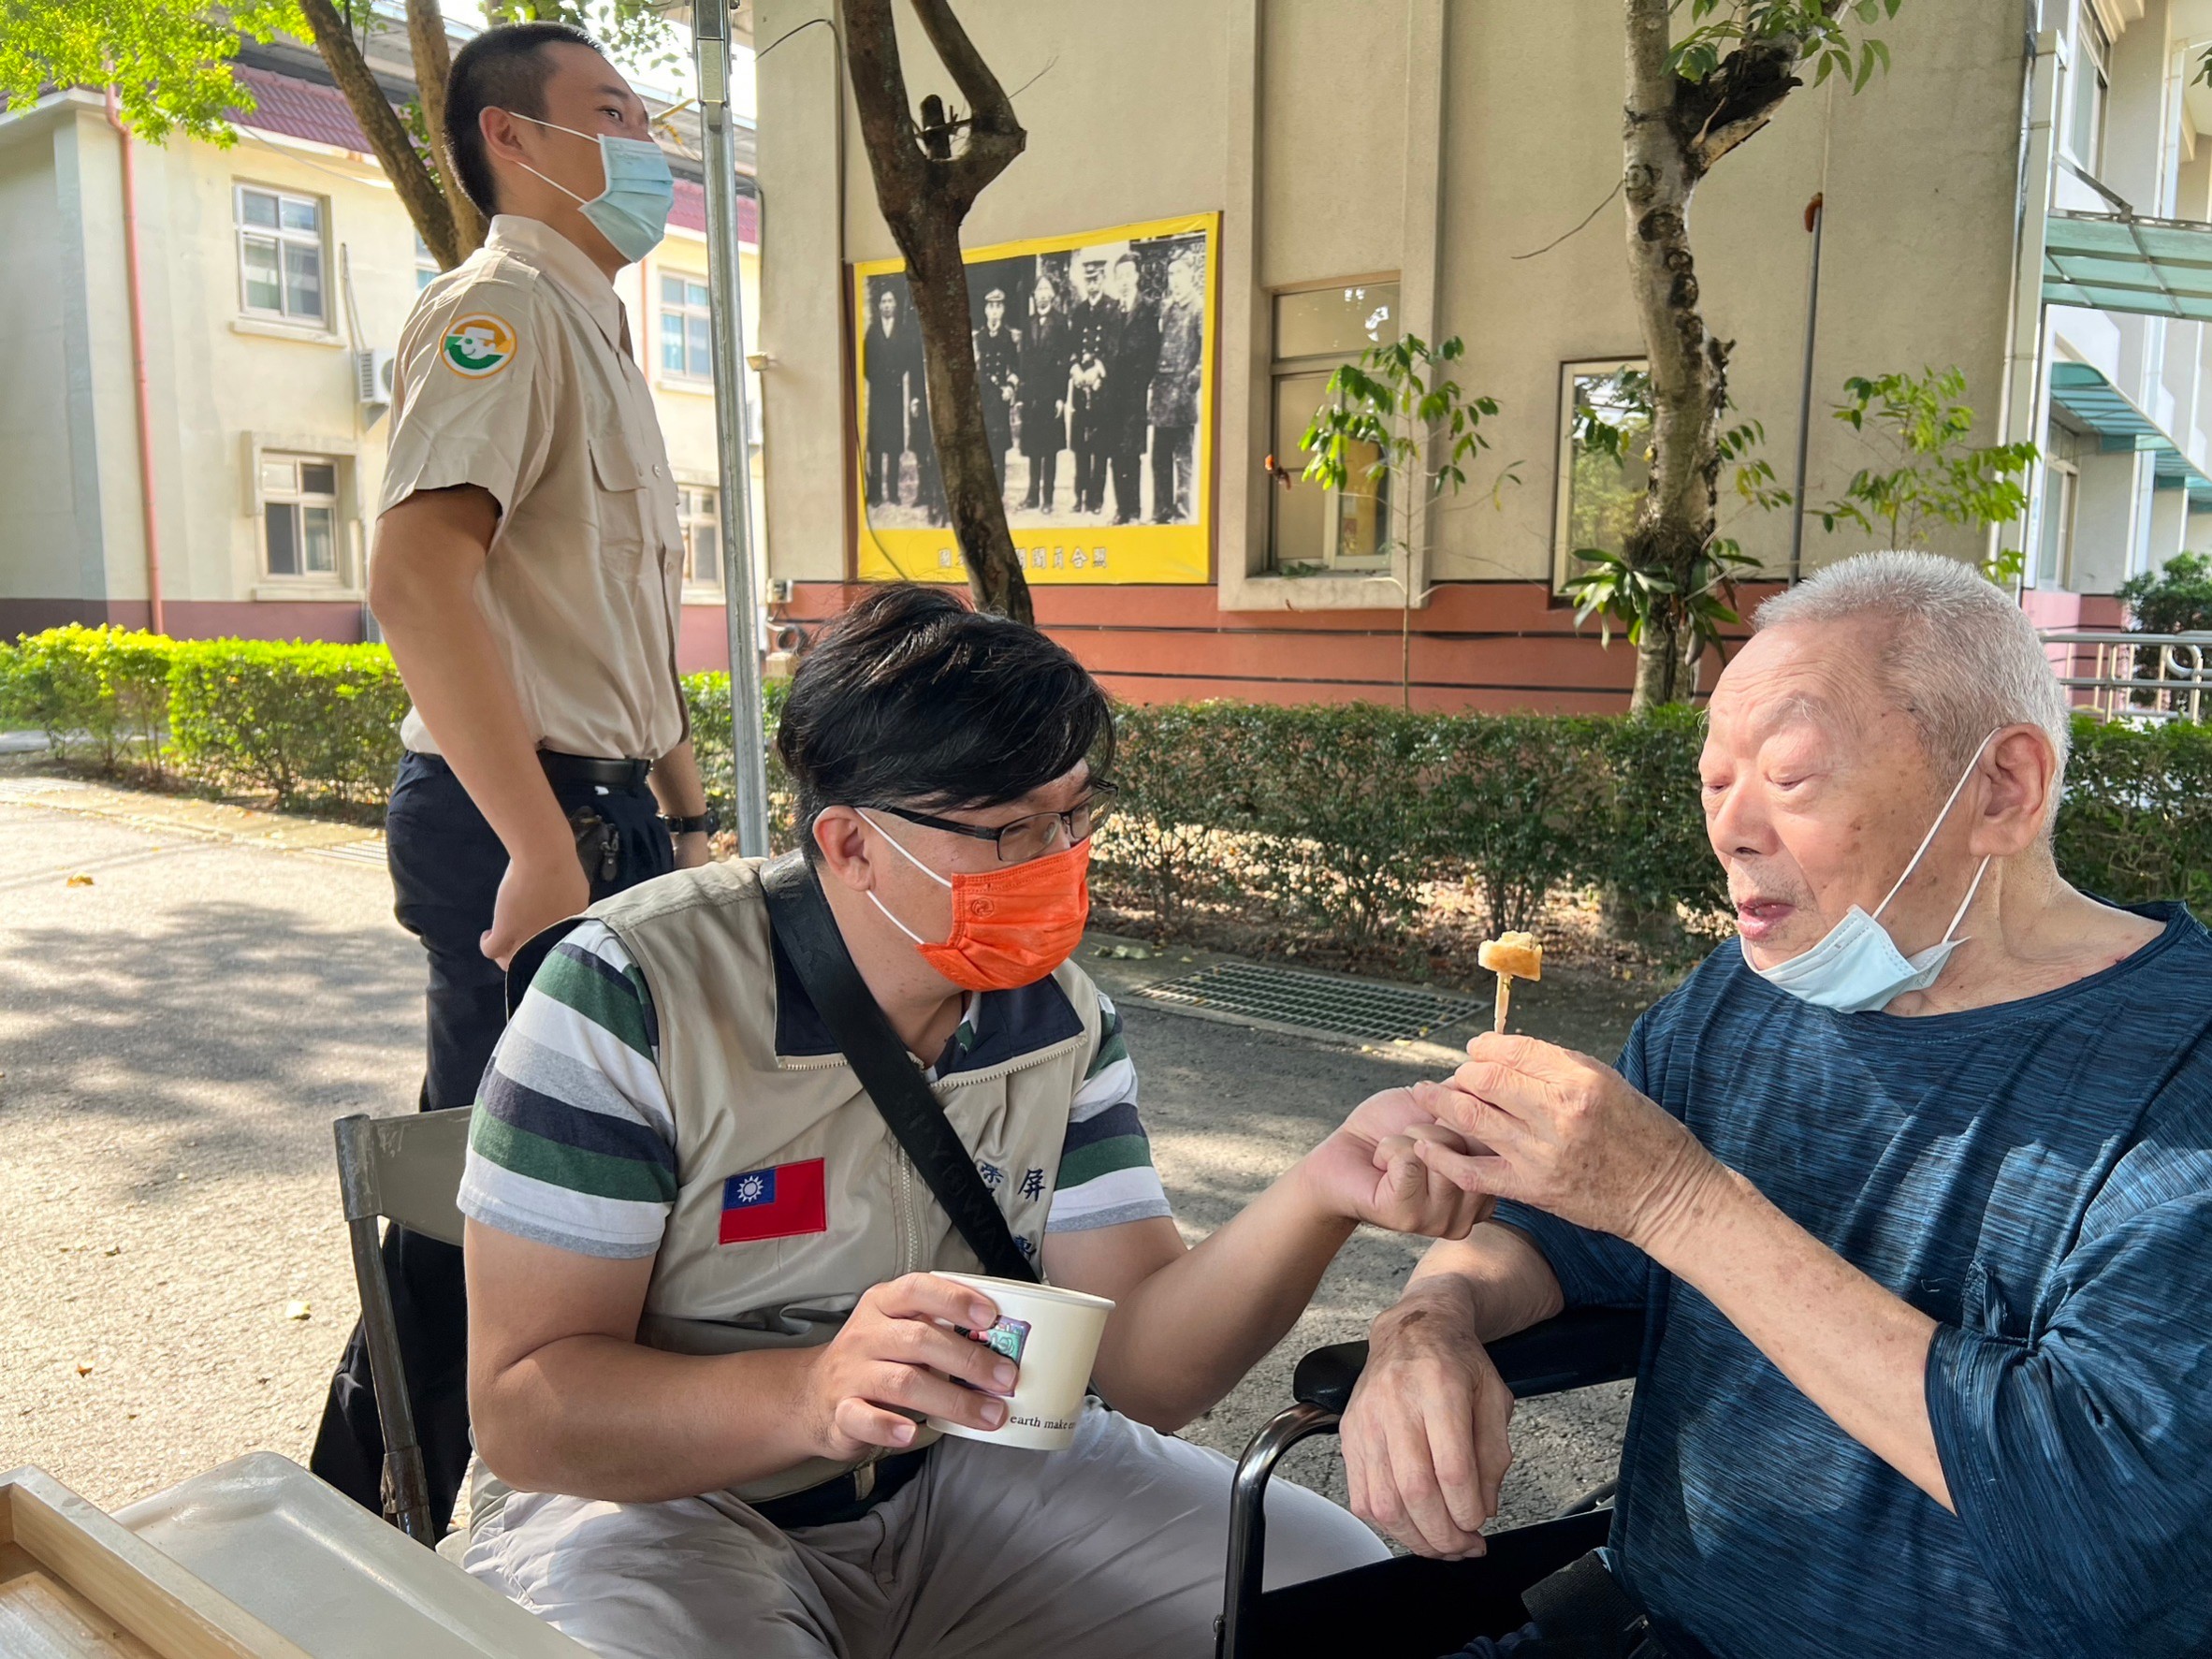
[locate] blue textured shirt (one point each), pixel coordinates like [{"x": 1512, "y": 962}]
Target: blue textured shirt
[{"x": 2036, "y": 1177}]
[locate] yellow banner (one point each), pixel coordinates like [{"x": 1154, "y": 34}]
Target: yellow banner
[{"x": 1096, "y": 355}]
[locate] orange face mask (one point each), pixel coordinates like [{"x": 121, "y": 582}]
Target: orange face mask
[{"x": 1012, "y": 925}]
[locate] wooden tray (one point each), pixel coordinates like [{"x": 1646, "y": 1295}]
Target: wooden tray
[{"x": 75, "y": 1585}]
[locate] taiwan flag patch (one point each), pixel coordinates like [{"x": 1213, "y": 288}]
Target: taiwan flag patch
[{"x": 779, "y": 1203}]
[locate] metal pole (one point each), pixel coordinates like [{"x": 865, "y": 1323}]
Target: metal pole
[
  {"x": 1815, "y": 218},
  {"x": 710, "y": 42}
]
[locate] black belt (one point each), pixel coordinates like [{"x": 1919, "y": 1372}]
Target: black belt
[
  {"x": 584, "y": 768},
  {"x": 846, "y": 1498}
]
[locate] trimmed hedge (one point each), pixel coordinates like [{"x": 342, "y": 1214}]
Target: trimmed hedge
[
  {"x": 1338, "y": 820},
  {"x": 295, "y": 720}
]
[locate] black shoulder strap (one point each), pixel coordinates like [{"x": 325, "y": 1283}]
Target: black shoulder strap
[{"x": 808, "y": 933}]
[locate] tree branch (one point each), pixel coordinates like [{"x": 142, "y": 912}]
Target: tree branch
[
  {"x": 433, "y": 65},
  {"x": 388, "y": 134},
  {"x": 879, "y": 99},
  {"x": 994, "y": 136},
  {"x": 1741, "y": 95}
]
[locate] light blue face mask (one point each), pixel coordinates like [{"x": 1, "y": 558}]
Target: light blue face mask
[
  {"x": 632, "y": 210},
  {"x": 1857, "y": 966}
]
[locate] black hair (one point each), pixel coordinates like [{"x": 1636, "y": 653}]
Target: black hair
[
  {"x": 502, "y": 68},
  {"x": 912, "y": 699}
]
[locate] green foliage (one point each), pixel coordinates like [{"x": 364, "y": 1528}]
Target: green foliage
[
  {"x": 1339, "y": 822},
  {"x": 1395, "y": 400},
  {"x": 1825, "y": 33},
  {"x": 2135, "y": 826},
  {"x": 1336, "y": 820},
  {"x": 99, "y": 692},
  {"x": 1613, "y": 426},
  {"x": 2175, "y": 598},
  {"x": 707, "y": 697},
  {"x": 169, "y": 60},
  {"x": 1399, "y": 401},
  {"x": 1919, "y": 424},
  {"x": 632, "y": 31},
  {"x": 298, "y": 719}
]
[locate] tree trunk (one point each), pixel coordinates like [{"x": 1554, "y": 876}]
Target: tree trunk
[
  {"x": 1689, "y": 383},
  {"x": 433, "y": 63},
  {"x": 924, "y": 195},
  {"x": 388, "y": 134},
  {"x": 1674, "y": 131}
]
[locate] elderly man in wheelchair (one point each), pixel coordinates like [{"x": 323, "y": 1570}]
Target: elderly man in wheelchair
[{"x": 1905, "y": 1195}]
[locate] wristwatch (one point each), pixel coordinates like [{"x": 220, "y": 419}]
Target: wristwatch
[{"x": 699, "y": 823}]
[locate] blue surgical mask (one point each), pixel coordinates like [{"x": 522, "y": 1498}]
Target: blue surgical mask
[
  {"x": 1857, "y": 966},
  {"x": 632, "y": 210}
]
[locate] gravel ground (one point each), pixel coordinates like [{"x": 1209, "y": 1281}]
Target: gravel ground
[{"x": 176, "y": 1036}]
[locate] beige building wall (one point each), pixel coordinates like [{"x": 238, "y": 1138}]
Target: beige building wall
[
  {"x": 1307, "y": 122},
  {"x": 226, "y": 388}
]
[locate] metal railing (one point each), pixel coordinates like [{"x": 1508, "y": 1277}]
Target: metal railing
[{"x": 2143, "y": 678}]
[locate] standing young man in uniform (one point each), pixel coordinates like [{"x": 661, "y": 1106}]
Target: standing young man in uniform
[
  {"x": 706, "y": 1306},
  {"x": 527, "y": 573},
  {"x": 998, "y": 364}
]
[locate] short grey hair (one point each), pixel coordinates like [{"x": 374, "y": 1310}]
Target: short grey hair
[{"x": 1959, "y": 654}]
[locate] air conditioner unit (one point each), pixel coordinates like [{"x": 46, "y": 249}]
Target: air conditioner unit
[{"x": 373, "y": 372}]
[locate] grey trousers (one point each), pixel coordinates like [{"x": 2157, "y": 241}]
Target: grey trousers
[{"x": 1112, "y": 1548}]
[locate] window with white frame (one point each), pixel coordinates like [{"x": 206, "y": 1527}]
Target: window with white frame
[
  {"x": 1604, "y": 446},
  {"x": 698, "y": 512},
  {"x": 299, "y": 523},
  {"x": 1317, "y": 331},
  {"x": 2062, "y": 486},
  {"x": 425, "y": 264},
  {"x": 686, "y": 327},
  {"x": 2092, "y": 80},
  {"x": 280, "y": 255}
]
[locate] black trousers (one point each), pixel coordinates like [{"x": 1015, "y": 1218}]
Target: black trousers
[
  {"x": 446, "y": 865},
  {"x": 1172, "y": 449},
  {"x": 1128, "y": 463}
]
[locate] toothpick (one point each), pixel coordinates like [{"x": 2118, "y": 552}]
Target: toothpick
[{"x": 1504, "y": 1000}]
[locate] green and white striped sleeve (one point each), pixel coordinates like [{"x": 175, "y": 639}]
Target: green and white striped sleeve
[
  {"x": 1106, "y": 1175},
  {"x": 573, "y": 1144}
]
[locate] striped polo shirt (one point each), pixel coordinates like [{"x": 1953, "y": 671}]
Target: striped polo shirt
[{"x": 574, "y": 1141}]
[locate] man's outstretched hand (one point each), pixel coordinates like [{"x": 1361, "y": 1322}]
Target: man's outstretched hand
[
  {"x": 1566, "y": 1134},
  {"x": 1369, "y": 1170}
]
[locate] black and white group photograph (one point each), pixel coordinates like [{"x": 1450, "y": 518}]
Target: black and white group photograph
[{"x": 1092, "y": 362}]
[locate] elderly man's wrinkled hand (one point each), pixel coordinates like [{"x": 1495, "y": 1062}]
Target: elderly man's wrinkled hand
[
  {"x": 1563, "y": 1133},
  {"x": 1424, "y": 1438}
]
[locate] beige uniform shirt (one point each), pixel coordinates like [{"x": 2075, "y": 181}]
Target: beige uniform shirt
[{"x": 515, "y": 375}]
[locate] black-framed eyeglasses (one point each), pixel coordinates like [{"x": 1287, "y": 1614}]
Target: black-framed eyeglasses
[{"x": 1030, "y": 836}]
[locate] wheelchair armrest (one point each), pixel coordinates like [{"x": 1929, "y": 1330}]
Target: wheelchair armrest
[{"x": 1575, "y": 1350}]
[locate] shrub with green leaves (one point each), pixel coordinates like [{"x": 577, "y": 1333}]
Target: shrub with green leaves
[
  {"x": 707, "y": 697},
  {"x": 298, "y": 719},
  {"x": 2137, "y": 821},
  {"x": 95, "y": 692}
]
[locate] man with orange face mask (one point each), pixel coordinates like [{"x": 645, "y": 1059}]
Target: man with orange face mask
[{"x": 706, "y": 1309}]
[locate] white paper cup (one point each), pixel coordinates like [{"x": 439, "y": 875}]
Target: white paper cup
[{"x": 1053, "y": 1336}]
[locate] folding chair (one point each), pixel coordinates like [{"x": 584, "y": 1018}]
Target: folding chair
[
  {"x": 408, "y": 1171},
  {"x": 1410, "y": 1606}
]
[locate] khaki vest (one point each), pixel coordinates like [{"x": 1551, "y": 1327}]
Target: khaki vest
[{"x": 701, "y": 939}]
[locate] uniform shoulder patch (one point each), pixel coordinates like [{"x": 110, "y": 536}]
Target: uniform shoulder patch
[{"x": 477, "y": 345}]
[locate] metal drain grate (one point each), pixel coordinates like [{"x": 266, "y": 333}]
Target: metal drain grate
[
  {"x": 1315, "y": 1002},
  {"x": 368, "y": 851}
]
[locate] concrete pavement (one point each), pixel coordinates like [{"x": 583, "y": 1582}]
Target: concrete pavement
[{"x": 176, "y": 1034}]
